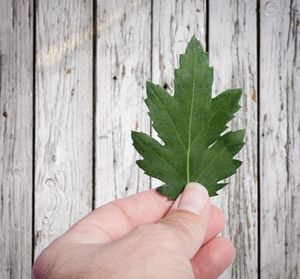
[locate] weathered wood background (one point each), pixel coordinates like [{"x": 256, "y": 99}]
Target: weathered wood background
[{"x": 72, "y": 82}]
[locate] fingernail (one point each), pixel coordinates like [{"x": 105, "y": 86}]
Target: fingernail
[{"x": 194, "y": 198}]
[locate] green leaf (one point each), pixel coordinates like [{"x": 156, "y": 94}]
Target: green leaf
[{"x": 191, "y": 125}]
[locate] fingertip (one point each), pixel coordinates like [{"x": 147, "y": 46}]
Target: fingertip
[
  {"x": 228, "y": 248},
  {"x": 194, "y": 198},
  {"x": 198, "y": 186},
  {"x": 216, "y": 223},
  {"x": 213, "y": 258}
]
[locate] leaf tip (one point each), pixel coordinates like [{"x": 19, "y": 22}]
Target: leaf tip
[
  {"x": 241, "y": 133},
  {"x": 149, "y": 83},
  {"x": 134, "y": 135}
]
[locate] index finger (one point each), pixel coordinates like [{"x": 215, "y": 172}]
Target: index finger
[{"x": 115, "y": 219}]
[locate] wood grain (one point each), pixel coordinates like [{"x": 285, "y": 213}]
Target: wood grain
[
  {"x": 16, "y": 33},
  {"x": 63, "y": 143},
  {"x": 174, "y": 23},
  {"x": 280, "y": 139},
  {"x": 232, "y": 52},
  {"x": 138, "y": 41},
  {"x": 123, "y": 66}
]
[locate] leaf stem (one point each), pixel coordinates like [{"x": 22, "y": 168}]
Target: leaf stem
[{"x": 190, "y": 124}]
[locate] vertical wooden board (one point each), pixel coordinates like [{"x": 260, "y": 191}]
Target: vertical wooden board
[
  {"x": 174, "y": 23},
  {"x": 123, "y": 66},
  {"x": 279, "y": 139},
  {"x": 16, "y": 138},
  {"x": 233, "y": 54},
  {"x": 63, "y": 143}
]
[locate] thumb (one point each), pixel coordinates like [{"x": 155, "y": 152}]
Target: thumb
[{"x": 186, "y": 225}]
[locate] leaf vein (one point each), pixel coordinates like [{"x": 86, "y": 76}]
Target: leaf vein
[{"x": 173, "y": 123}]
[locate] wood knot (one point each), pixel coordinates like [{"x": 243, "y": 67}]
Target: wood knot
[{"x": 270, "y": 8}]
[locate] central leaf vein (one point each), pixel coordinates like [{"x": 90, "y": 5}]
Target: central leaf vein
[{"x": 190, "y": 125}]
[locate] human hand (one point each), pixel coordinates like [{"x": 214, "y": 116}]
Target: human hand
[{"x": 142, "y": 236}]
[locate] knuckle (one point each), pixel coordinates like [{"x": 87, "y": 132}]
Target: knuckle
[{"x": 184, "y": 225}]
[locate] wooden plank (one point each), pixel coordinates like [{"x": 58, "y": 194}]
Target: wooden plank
[
  {"x": 174, "y": 23},
  {"x": 280, "y": 139},
  {"x": 63, "y": 174},
  {"x": 16, "y": 138},
  {"x": 232, "y": 49},
  {"x": 123, "y": 66}
]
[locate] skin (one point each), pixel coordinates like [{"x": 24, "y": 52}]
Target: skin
[{"x": 142, "y": 236}]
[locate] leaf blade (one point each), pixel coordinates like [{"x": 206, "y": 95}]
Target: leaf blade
[{"x": 190, "y": 124}]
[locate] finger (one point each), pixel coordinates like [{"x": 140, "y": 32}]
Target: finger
[
  {"x": 186, "y": 226},
  {"x": 216, "y": 224},
  {"x": 213, "y": 258},
  {"x": 115, "y": 219},
  {"x": 216, "y": 221}
]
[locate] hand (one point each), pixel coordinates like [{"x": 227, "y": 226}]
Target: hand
[{"x": 142, "y": 236}]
